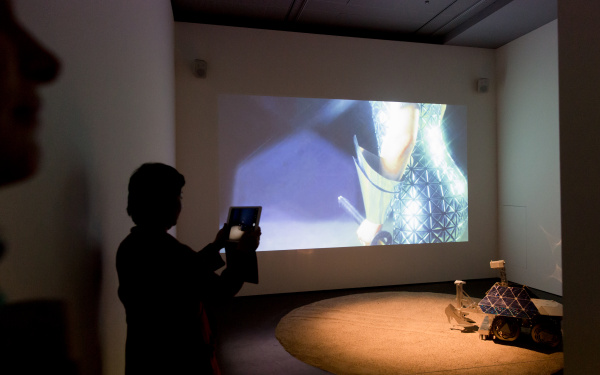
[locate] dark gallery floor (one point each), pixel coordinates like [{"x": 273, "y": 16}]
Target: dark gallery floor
[{"x": 245, "y": 327}]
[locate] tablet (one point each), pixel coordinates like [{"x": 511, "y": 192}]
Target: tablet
[{"x": 241, "y": 219}]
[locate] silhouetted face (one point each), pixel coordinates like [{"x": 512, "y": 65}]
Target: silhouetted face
[
  {"x": 24, "y": 65},
  {"x": 174, "y": 211},
  {"x": 154, "y": 198}
]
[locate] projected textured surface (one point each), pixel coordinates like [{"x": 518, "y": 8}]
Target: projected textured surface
[
  {"x": 430, "y": 204},
  {"x": 299, "y": 158},
  {"x": 413, "y": 177}
]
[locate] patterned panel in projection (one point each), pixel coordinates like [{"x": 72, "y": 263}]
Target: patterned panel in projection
[{"x": 430, "y": 204}]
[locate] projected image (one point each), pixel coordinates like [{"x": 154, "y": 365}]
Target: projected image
[{"x": 339, "y": 173}]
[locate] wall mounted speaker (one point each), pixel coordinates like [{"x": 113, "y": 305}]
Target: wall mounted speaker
[
  {"x": 200, "y": 68},
  {"x": 482, "y": 85}
]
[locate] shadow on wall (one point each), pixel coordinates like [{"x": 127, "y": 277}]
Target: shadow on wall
[
  {"x": 56, "y": 330},
  {"x": 85, "y": 270}
]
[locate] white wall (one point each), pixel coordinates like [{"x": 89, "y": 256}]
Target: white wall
[
  {"x": 111, "y": 110},
  {"x": 579, "y": 79},
  {"x": 261, "y": 62},
  {"x": 528, "y": 159}
]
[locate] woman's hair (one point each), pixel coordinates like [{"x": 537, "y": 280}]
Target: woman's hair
[{"x": 154, "y": 193}]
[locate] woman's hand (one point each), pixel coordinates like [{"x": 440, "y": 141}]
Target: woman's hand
[
  {"x": 250, "y": 240},
  {"x": 222, "y": 236}
]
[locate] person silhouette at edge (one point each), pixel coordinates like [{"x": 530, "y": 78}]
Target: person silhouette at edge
[
  {"x": 24, "y": 65},
  {"x": 165, "y": 286}
]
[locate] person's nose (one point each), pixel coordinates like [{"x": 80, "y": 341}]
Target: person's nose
[{"x": 36, "y": 62}]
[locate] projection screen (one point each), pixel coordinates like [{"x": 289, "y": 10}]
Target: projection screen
[{"x": 341, "y": 173}]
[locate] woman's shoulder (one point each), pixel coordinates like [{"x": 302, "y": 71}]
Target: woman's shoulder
[{"x": 148, "y": 240}]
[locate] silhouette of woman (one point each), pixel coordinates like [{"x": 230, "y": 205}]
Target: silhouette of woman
[{"x": 165, "y": 286}]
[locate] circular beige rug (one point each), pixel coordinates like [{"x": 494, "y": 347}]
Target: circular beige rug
[{"x": 400, "y": 333}]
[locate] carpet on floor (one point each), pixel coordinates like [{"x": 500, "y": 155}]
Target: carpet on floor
[{"x": 402, "y": 333}]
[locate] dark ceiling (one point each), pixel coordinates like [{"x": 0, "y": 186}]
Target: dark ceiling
[{"x": 473, "y": 23}]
